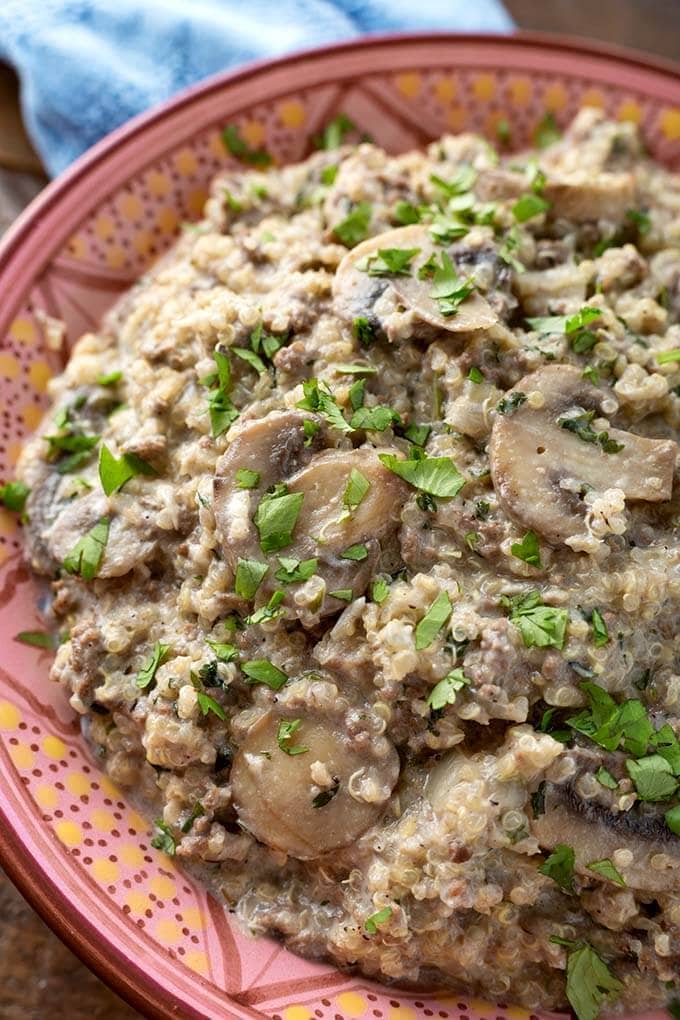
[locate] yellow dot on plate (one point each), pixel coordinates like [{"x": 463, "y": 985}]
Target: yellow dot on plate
[
  {"x": 130, "y": 206},
  {"x": 402, "y": 1013},
  {"x": 197, "y": 961},
  {"x": 352, "y": 1003},
  {"x": 104, "y": 227},
  {"x": 670, "y": 123},
  {"x": 115, "y": 257},
  {"x": 108, "y": 788},
  {"x": 629, "y": 110},
  {"x": 167, "y": 220},
  {"x": 22, "y": 756},
  {"x": 297, "y": 1013},
  {"x": 185, "y": 161},
  {"x": 138, "y": 902},
  {"x": 292, "y": 114},
  {"x": 23, "y": 331},
  {"x": 8, "y": 522},
  {"x": 54, "y": 747},
  {"x": 193, "y": 918},
  {"x": 163, "y": 887},
  {"x": 216, "y": 145},
  {"x": 69, "y": 833},
  {"x": 32, "y": 415},
  {"x": 591, "y": 97},
  {"x": 157, "y": 183},
  {"x": 77, "y": 247},
  {"x": 14, "y": 450},
  {"x": 131, "y": 855},
  {"x": 408, "y": 84},
  {"x": 196, "y": 200},
  {"x": 103, "y": 820},
  {"x": 555, "y": 97},
  {"x": 9, "y": 365},
  {"x": 105, "y": 871},
  {"x": 445, "y": 90},
  {"x": 4, "y": 553},
  {"x": 484, "y": 86},
  {"x": 456, "y": 118},
  {"x": 253, "y": 131},
  {"x": 78, "y": 784},
  {"x": 47, "y": 796},
  {"x": 516, "y": 1013},
  {"x": 143, "y": 242},
  {"x": 39, "y": 373},
  {"x": 168, "y": 931},
  {"x": 135, "y": 821},
  {"x": 520, "y": 90}
]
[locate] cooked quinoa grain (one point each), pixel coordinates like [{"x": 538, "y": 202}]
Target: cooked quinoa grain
[{"x": 361, "y": 515}]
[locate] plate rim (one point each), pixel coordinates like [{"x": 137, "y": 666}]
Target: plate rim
[{"x": 33, "y": 881}]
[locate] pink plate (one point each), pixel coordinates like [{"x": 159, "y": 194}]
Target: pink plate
[{"x": 78, "y": 852}]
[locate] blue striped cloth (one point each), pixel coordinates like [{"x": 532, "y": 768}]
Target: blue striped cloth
[{"x": 87, "y": 66}]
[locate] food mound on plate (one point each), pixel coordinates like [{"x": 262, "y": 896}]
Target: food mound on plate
[{"x": 361, "y": 517}]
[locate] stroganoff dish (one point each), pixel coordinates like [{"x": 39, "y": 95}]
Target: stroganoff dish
[{"x": 361, "y": 515}]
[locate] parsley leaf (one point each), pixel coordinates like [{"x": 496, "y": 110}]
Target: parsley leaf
[
  {"x": 208, "y": 704},
  {"x": 286, "y": 731},
  {"x": 224, "y": 651},
  {"x": 73, "y": 442},
  {"x": 641, "y": 220},
  {"x": 528, "y": 549},
  {"x": 547, "y": 132},
  {"x": 355, "y": 490},
  {"x": 326, "y": 796},
  {"x": 433, "y": 621},
  {"x": 113, "y": 474},
  {"x": 109, "y": 378},
  {"x": 607, "y": 870},
  {"x": 38, "y": 639},
  {"x": 262, "y": 671},
  {"x": 529, "y": 205},
  {"x": 599, "y": 628},
  {"x": 250, "y": 358},
  {"x": 444, "y": 693},
  {"x": 417, "y": 434},
  {"x": 269, "y": 612},
  {"x": 541, "y": 626},
  {"x": 356, "y": 369},
  {"x": 372, "y": 923},
  {"x": 448, "y": 289},
  {"x": 164, "y": 839},
  {"x": 344, "y": 594},
  {"x": 318, "y": 398},
  {"x": 147, "y": 673},
  {"x": 476, "y": 375},
  {"x": 390, "y": 262},
  {"x": 355, "y": 552},
  {"x": 239, "y": 148},
  {"x": 292, "y": 570},
  {"x": 377, "y": 418},
  {"x": 276, "y": 517},
  {"x": 86, "y": 556},
  {"x": 220, "y": 408},
  {"x": 581, "y": 427},
  {"x": 652, "y": 777},
  {"x": 438, "y": 476},
  {"x": 508, "y": 405},
  {"x": 672, "y": 819},
  {"x": 405, "y": 213},
  {"x": 458, "y": 185},
  {"x": 247, "y": 479},
  {"x": 559, "y": 866},
  {"x": 363, "y": 330},
  {"x": 666, "y": 357},
  {"x": 589, "y": 982},
  {"x": 13, "y": 495},
  {"x": 249, "y": 577},
  {"x": 355, "y": 226},
  {"x": 196, "y": 812},
  {"x": 605, "y": 778},
  {"x": 334, "y": 132},
  {"x": 379, "y": 591}
]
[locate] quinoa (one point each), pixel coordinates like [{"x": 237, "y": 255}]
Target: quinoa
[{"x": 361, "y": 515}]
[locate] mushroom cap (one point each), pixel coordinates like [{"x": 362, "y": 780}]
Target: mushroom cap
[
  {"x": 356, "y": 292},
  {"x": 273, "y": 791},
  {"x": 531, "y": 455}
]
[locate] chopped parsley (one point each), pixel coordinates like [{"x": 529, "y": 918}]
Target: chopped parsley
[
  {"x": 372, "y": 923},
  {"x": 292, "y": 570},
  {"x": 147, "y": 673},
  {"x": 417, "y": 434},
  {"x": 528, "y": 549},
  {"x": 605, "y": 778},
  {"x": 437, "y": 476},
  {"x": 529, "y": 205},
  {"x": 276, "y": 517},
  {"x": 666, "y": 357},
  {"x": 672, "y": 819},
  {"x": 310, "y": 429},
  {"x": 262, "y": 671},
  {"x": 319, "y": 399},
  {"x": 363, "y": 330},
  {"x": 240, "y": 149},
  {"x": 38, "y": 639},
  {"x": 220, "y": 408},
  {"x": 334, "y": 132},
  {"x": 458, "y": 185},
  {"x": 326, "y": 796},
  {"x": 355, "y": 552},
  {"x": 377, "y": 418},
  {"x": 507, "y": 250},
  {"x": 249, "y": 576},
  {"x": 86, "y": 556},
  {"x": 355, "y": 226},
  {"x": 508, "y": 405},
  {"x": 472, "y": 539},
  {"x": 608, "y": 724},
  {"x": 405, "y": 213},
  {"x": 433, "y": 621},
  {"x": 652, "y": 777},
  {"x": 355, "y": 369},
  {"x": 207, "y": 704},
  {"x": 164, "y": 839},
  {"x": 285, "y": 733},
  {"x": 355, "y": 490},
  {"x": 114, "y": 473},
  {"x": 559, "y": 866},
  {"x": 590, "y": 982},
  {"x": 379, "y": 591},
  {"x": 109, "y": 378},
  {"x": 344, "y": 594},
  {"x": 389, "y": 262},
  {"x": 224, "y": 651},
  {"x": 271, "y": 611},
  {"x": 196, "y": 812},
  {"x": 448, "y": 289},
  {"x": 541, "y": 626},
  {"x": 250, "y": 358},
  {"x": 13, "y": 495},
  {"x": 547, "y": 132},
  {"x": 607, "y": 870},
  {"x": 640, "y": 219},
  {"x": 599, "y": 628},
  {"x": 581, "y": 426},
  {"x": 444, "y": 693},
  {"x": 266, "y": 344},
  {"x": 75, "y": 444},
  {"x": 247, "y": 479},
  {"x": 476, "y": 375}
]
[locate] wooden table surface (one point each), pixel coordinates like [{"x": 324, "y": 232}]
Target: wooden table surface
[{"x": 39, "y": 977}]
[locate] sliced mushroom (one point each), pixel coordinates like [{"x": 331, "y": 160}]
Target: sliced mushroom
[
  {"x": 539, "y": 468},
  {"x": 596, "y": 830},
  {"x": 356, "y": 292},
  {"x": 554, "y": 291},
  {"x": 584, "y": 198},
  {"x": 275, "y": 792},
  {"x": 129, "y": 543},
  {"x": 499, "y": 185}
]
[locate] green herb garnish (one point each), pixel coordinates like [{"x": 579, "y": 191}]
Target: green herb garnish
[
  {"x": 355, "y": 226},
  {"x": 13, "y": 495},
  {"x": 528, "y": 549},
  {"x": 86, "y": 556},
  {"x": 444, "y": 693},
  {"x": 276, "y": 517},
  {"x": 247, "y": 479},
  {"x": 437, "y": 476},
  {"x": 147, "y": 673},
  {"x": 607, "y": 870},
  {"x": 249, "y": 576},
  {"x": 114, "y": 473},
  {"x": 559, "y": 866},
  {"x": 262, "y": 671},
  {"x": 529, "y": 205},
  {"x": 164, "y": 839},
  {"x": 292, "y": 570},
  {"x": 372, "y": 923},
  {"x": 287, "y": 729},
  {"x": 433, "y": 621},
  {"x": 240, "y": 149},
  {"x": 541, "y": 626}
]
